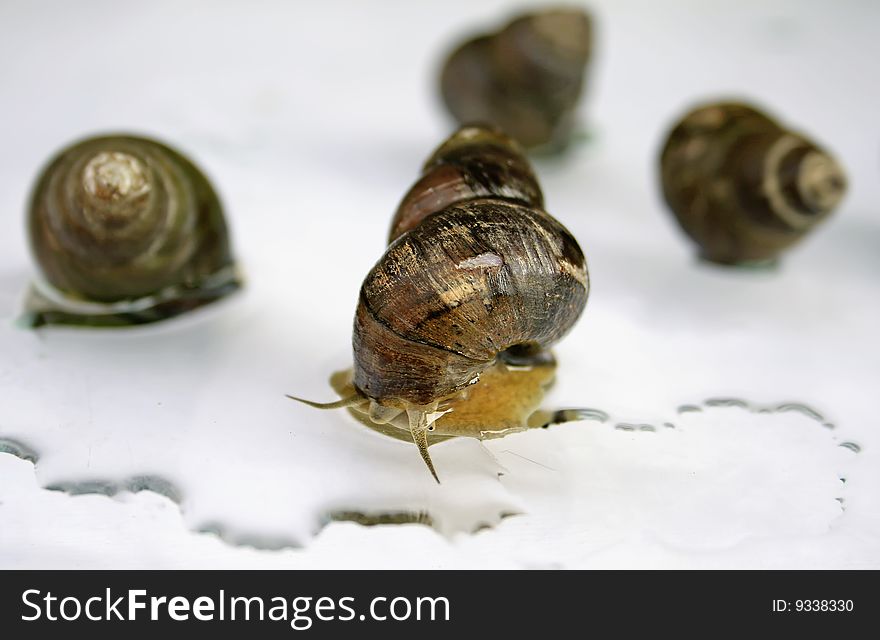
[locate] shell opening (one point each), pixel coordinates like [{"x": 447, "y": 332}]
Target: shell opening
[{"x": 526, "y": 354}]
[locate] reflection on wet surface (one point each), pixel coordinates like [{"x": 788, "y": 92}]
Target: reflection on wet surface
[{"x": 567, "y": 423}]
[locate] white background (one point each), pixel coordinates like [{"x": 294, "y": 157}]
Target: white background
[{"x": 313, "y": 120}]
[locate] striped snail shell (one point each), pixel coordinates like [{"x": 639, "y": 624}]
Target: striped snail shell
[
  {"x": 475, "y": 162},
  {"x": 476, "y": 272},
  {"x": 131, "y": 229},
  {"x": 526, "y": 78},
  {"x": 742, "y": 186}
]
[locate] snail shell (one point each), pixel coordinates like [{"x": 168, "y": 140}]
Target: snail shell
[
  {"x": 744, "y": 187},
  {"x": 474, "y": 162},
  {"x": 476, "y": 273},
  {"x": 526, "y": 79},
  {"x": 119, "y": 219},
  {"x": 459, "y": 289}
]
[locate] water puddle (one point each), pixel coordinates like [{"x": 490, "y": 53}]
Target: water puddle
[{"x": 724, "y": 471}]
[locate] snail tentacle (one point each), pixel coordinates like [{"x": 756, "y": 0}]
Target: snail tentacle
[
  {"x": 343, "y": 403},
  {"x": 418, "y": 427}
]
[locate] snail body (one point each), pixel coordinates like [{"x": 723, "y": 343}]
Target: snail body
[
  {"x": 526, "y": 78},
  {"x": 125, "y": 230},
  {"x": 742, "y": 186},
  {"x": 477, "y": 277}
]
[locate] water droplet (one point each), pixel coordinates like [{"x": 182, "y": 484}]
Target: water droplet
[
  {"x": 572, "y": 415},
  {"x": 689, "y": 408},
  {"x": 627, "y": 426},
  {"x": 726, "y": 402},
  {"x": 86, "y": 487},
  {"x": 18, "y": 449},
  {"x": 156, "y": 485},
  {"x": 258, "y": 542},
  {"x": 801, "y": 408},
  {"x": 367, "y": 519}
]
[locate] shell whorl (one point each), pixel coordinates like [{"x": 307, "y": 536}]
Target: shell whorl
[
  {"x": 525, "y": 78},
  {"x": 744, "y": 187},
  {"x": 474, "y": 162},
  {"x": 475, "y": 277},
  {"x": 122, "y": 217}
]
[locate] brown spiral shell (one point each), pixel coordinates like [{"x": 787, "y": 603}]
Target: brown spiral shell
[
  {"x": 474, "y": 162},
  {"x": 742, "y": 186},
  {"x": 121, "y": 217},
  {"x": 477, "y": 277},
  {"x": 527, "y": 78},
  {"x": 476, "y": 269}
]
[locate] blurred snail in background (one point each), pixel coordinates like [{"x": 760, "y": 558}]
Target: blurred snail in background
[
  {"x": 454, "y": 321},
  {"x": 526, "y": 79},
  {"x": 125, "y": 230},
  {"x": 743, "y": 187}
]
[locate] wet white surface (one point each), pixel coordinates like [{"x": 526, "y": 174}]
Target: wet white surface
[{"x": 312, "y": 124}]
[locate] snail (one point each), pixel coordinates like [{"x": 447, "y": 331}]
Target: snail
[
  {"x": 454, "y": 322},
  {"x": 526, "y": 78},
  {"x": 125, "y": 230},
  {"x": 742, "y": 186}
]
